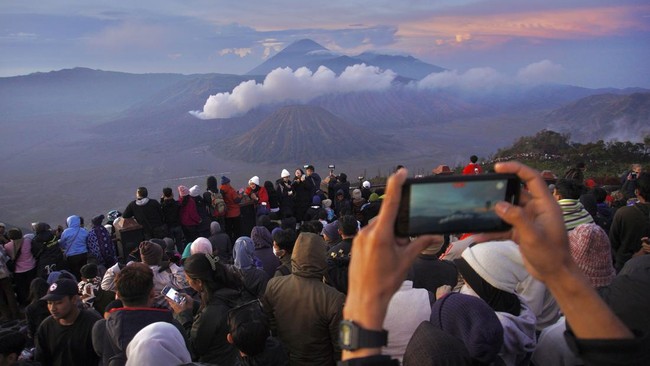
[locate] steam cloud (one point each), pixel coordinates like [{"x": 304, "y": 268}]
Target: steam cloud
[
  {"x": 302, "y": 85},
  {"x": 284, "y": 84}
]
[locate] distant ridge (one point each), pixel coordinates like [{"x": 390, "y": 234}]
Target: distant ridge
[
  {"x": 312, "y": 55},
  {"x": 307, "y": 133}
]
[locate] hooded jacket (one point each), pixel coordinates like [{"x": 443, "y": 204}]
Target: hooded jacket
[
  {"x": 147, "y": 212},
  {"x": 73, "y": 239},
  {"x": 303, "y": 310},
  {"x": 112, "y": 335}
]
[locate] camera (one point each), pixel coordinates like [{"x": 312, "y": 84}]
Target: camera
[
  {"x": 331, "y": 167},
  {"x": 305, "y": 166},
  {"x": 454, "y": 204},
  {"x": 633, "y": 175},
  {"x": 360, "y": 177}
]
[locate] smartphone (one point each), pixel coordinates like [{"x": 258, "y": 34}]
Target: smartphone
[
  {"x": 454, "y": 204},
  {"x": 174, "y": 295}
]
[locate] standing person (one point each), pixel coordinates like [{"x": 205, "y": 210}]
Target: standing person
[
  {"x": 8, "y": 303},
  {"x": 303, "y": 310},
  {"x": 207, "y": 329},
  {"x": 263, "y": 242},
  {"x": 365, "y": 190},
  {"x": 101, "y": 246},
  {"x": 233, "y": 212},
  {"x": 46, "y": 251},
  {"x": 214, "y": 200},
  {"x": 302, "y": 195},
  {"x": 258, "y": 194},
  {"x": 73, "y": 244},
  {"x": 65, "y": 337},
  {"x": 285, "y": 194},
  {"x": 171, "y": 215},
  {"x": 473, "y": 167},
  {"x": 313, "y": 181},
  {"x": 630, "y": 224},
  {"x": 203, "y": 208},
  {"x": 629, "y": 180},
  {"x": 274, "y": 198},
  {"x": 189, "y": 216},
  {"x": 338, "y": 257},
  {"x": 147, "y": 213},
  {"x": 20, "y": 250}
]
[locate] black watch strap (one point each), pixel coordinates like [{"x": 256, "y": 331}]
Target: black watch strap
[{"x": 353, "y": 337}]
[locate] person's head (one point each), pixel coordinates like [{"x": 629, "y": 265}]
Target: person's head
[
  {"x": 167, "y": 192},
  {"x": 248, "y": 328},
  {"x": 310, "y": 170},
  {"x": 600, "y": 194},
  {"x": 159, "y": 343},
  {"x": 12, "y": 343},
  {"x": 141, "y": 192},
  {"x": 195, "y": 191},
  {"x": 37, "y": 289},
  {"x": 366, "y": 184},
  {"x": 225, "y": 180},
  {"x": 356, "y": 194},
  {"x": 348, "y": 226},
  {"x": 211, "y": 184},
  {"x": 62, "y": 297},
  {"x": 283, "y": 242},
  {"x": 285, "y": 175},
  {"x": 591, "y": 251},
  {"x": 643, "y": 187},
  {"x": 201, "y": 245},
  {"x": 254, "y": 182},
  {"x": 331, "y": 233},
  {"x": 473, "y": 159},
  {"x": 299, "y": 173},
  {"x": 151, "y": 253},
  {"x": 343, "y": 177},
  {"x": 205, "y": 274},
  {"x": 268, "y": 185},
  {"x": 311, "y": 227},
  {"x": 98, "y": 220},
  {"x": 88, "y": 271},
  {"x": 339, "y": 195},
  {"x": 567, "y": 189},
  {"x": 15, "y": 234},
  {"x": 183, "y": 191},
  {"x": 134, "y": 285}
]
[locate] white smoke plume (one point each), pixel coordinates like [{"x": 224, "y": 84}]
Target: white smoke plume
[
  {"x": 544, "y": 71},
  {"x": 302, "y": 85},
  {"x": 473, "y": 79}
]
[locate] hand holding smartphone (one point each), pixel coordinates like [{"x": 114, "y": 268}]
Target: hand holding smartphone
[
  {"x": 454, "y": 204},
  {"x": 173, "y": 295}
]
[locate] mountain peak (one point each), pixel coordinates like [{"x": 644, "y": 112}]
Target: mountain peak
[{"x": 304, "y": 46}]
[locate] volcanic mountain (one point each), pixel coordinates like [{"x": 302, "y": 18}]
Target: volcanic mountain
[{"x": 304, "y": 132}]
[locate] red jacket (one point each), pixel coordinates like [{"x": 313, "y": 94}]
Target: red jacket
[
  {"x": 470, "y": 169},
  {"x": 188, "y": 213},
  {"x": 261, "y": 193},
  {"x": 231, "y": 198}
]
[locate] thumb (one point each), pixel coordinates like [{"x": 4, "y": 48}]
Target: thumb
[{"x": 511, "y": 214}]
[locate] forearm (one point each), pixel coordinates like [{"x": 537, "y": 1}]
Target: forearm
[
  {"x": 367, "y": 312},
  {"x": 586, "y": 312}
]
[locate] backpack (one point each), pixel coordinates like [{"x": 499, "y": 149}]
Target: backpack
[{"x": 217, "y": 204}]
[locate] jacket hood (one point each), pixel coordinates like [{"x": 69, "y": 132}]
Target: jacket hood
[
  {"x": 309, "y": 256},
  {"x": 142, "y": 201},
  {"x": 73, "y": 221},
  {"x": 124, "y": 323}
]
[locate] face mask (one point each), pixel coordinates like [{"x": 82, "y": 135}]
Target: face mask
[{"x": 278, "y": 253}]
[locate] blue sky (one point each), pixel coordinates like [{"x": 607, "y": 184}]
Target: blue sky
[{"x": 590, "y": 43}]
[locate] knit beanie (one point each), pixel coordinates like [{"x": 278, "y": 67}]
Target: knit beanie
[
  {"x": 195, "y": 191},
  {"x": 255, "y": 180},
  {"x": 327, "y": 203},
  {"x": 366, "y": 184},
  {"x": 356, "y": 193},
  {"x": 315, "y": 200},
  {"x": 471, "y": 320},
  {"x": 201, "y": 245},
  {"x": 591, "y": 250},
  {"x": 183, "y": 191},
  {"x": 332, "y": 231},
  {"x": 497, "y": 262},
  {"x": 285, "y": 173},
  {"x": 225, "y": 180},
  {"x": 430, "y": 346},
  {"x": 373, "y": 197},
  {"x": 151, "y": 253}
]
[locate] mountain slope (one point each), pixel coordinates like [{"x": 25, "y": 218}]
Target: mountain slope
[
  {"x": 604, "y": 117},
  {"x": 304, "y": 133}
]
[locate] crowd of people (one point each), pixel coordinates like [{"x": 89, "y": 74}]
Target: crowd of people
[{"x": 566, "y": 286}]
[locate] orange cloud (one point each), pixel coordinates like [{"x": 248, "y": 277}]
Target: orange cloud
[{"x": 553, "y": 24}]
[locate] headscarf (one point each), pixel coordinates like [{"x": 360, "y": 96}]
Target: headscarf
[
  {"x": 261, "y": 237},
  {"x": 243, "y": 253},
  {"x": 159, "y": 344},
  {"x": 201, "y": 245}
]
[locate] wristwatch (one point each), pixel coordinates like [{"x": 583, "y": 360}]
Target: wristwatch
[{"x": 352, "y": 337}]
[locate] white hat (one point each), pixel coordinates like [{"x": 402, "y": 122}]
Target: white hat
[
  {"x": 497, "y": 262},
  {"x": 195, "y": 191},
  {"x": 366, "y": 184},
  {"x": 255, "y": 180},
  {"x": 285, "y": 173}
]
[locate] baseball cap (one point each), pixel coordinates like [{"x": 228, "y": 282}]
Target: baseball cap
[{"x": 60, "y": 289}]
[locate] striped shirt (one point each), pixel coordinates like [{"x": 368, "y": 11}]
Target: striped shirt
[{"x": 574, "y": 214}]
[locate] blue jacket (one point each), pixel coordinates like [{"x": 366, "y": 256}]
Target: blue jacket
[{"x": 73, "y": 239}]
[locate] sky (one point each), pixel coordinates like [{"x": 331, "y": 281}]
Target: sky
[{"x": 590, "y": 43}]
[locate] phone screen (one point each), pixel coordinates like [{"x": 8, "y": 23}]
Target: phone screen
[
  {"x": 174, "y": 295},
  {"x": 454, "y": 204}
]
